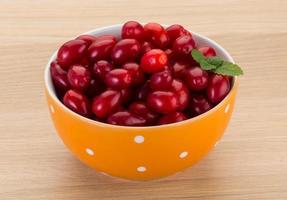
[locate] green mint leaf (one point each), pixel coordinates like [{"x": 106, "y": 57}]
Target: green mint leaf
[
  {"x": 200, "y": 58},
  {"x": 229, "y": 69},
  {"x": 204, "y": 64},
  {"x": 214, "y": 61},
  {"x": 216, "y": 64},
  {"x": 197, "y": 55}
]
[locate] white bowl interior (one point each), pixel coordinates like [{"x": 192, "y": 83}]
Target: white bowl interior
[{"x": 115, "y": 30}]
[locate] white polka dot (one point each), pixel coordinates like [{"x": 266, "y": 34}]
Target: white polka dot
[
  {"x": 141, "y": 169},
  {"x": 90, "y": 152},
  {"x": 52, "y": 109},
  {"x": 183, "y": 154},
  {"x": 227, "y": 108},
  {"x": 139, "y": 139}
]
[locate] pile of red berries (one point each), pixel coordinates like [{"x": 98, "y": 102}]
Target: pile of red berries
[{"x": 148, "y": 77}]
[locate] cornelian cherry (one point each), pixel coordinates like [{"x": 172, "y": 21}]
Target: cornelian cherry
[
  {"x": 162, "y": 102},
  {"x": 118, "y": 79},
  {"x": 125, "y": 50},
  {"x": 196, "y": 78},
  {"x": 153, "y": 61},
  {"x": 106, "y": 103},
  {"x": 71, "y": 52},
  {"x": 125, "y": 118},
  {"x": 79, "y": 77},
  {"x": 172, "y": 118},
  {"x": 133, "y": 30},
  {"x": 77, "y": 102},
  {"x": 207, "y": 51}
]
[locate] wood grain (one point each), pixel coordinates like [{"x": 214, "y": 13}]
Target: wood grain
[{"x": 249, "y": 163}]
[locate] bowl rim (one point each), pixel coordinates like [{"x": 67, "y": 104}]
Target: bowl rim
[{"x": 49, "y": 86}]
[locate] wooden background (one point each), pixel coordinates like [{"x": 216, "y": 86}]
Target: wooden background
[{"x": 250, "y": 162}]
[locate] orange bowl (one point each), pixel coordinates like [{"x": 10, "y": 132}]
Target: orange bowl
[{"x": 141, "y": 153}]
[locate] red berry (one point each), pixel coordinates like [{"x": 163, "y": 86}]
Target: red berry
[
  {"x": 183, "y": 45},
  {"x": 182, "y": 94},
  {"x": 135, "y": 72},
  {"x": 77, "y": 102},
  {"x": 153, "y": 61},
  {"x": 101, "y": 68},
  {"x": 140, "y": 109},
  {"x": 101, "y": 50},
  {"x": 106, "y": 103},
  {"x": 118, "y": 79},
  {"x": 172, "y": 118},
  {"x": 59, "y": 77},
  {"x": 145, "y": 47},
  {"x": 125, "y": 118},
  {"x": 175, "y": 31},
  {"x": 196, "y": 78},
  {"x": 79, "y": 77},
  {"x": 179, "y": 68},
  {"x": 199, "y": 105},
  {"x": 89, "y": 39},
  {"x": 107, "y": 37},
  {"x": 156, "y": 34},
  {"x": 125, "y": 50},
  {"x": 133, "y": 30},
  {"x": 162, "y": 102},
  {"x": 71, "y": 52},
  {"x": 207, "y": 51},
  {"x": 218, "y": 87},
  {"x": 161, "y": 81},
  {"x": 142, "y": 92}
]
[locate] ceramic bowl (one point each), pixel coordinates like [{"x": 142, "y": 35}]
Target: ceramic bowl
[{"x": 141, "y": 153}]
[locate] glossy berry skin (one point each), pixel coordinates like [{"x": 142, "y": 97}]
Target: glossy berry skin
[
  {"x": 89, "y": 39},
  {"x": 125, "y": 50},
  {"x": 101, "y": 68},
  {"x": 106, "y": 37},
  {"x": 181, "y": 92},
  {"x": 207, "y": 51},
  {"x": 162, "y": 102},
  {"x": 142, "y": 92},
  {"x": 172, "y": 118},
  {"x": 145, "y": 47},
  {"x": 218, "y": 87},
  {"x": 59, "y": 77},
  {"x": 156, "y": 34},
  {"x": 198, "y": 105},
  {"x": 161, "y": 81},
  {"x": 79, "y": 77},
  {"x": 135, "y": 72},
  {"x": 125, "y": 118},
  {"x": 106, "y": 103},
  {"x": 100, "y": 50},
  {"x": 133, "y": 30},
  {"x": 141, "y": 109},
  {"x": 153, "y": 61},
  {"x": 196, "y": 78},
  {"x": 71, "y": 52},
  {"x": 183, "y": 45},
  {"x": 179, "y": 68},
  {"x": 175, "y": 31},
  {"x": 77, "y": 102},
  {"x": 118, "y": 79}
]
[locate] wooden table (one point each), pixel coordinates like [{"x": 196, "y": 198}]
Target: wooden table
[{"x": 250, "y": 162}]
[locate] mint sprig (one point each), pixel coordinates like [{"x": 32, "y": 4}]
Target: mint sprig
[{"x": 216, "y": 64}]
